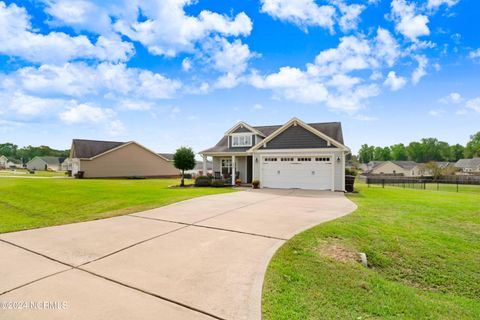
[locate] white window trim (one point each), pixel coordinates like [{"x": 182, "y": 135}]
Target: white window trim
[{"x": 250, "y": 135}]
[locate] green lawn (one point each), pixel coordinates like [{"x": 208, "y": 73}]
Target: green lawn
[
  {"x": 33, "y": 203},
  {"x": 25, "y": 173},
  {"x": 423, "y": 248}
]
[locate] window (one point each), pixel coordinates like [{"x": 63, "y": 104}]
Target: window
[
  {"x": 322, "y": 159},
  {"x": 304, "y": 159},
  {"x": 226, "y": 167},
  {"x": 287, "y": 159},
  {"x": 270, "y": 159},
  {"x": 242, "y": 140}
]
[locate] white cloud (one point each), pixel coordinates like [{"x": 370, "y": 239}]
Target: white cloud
[
  {"x": 362, "y": 117},
  {"x": 420, "y": 71},
  {"x": 257, "y": 106},
  {"x": 186, "y": 64},
  {"x": 475, "y": 54},
  {"x": 23, "y": 105},
  {"x": 79, "y": 113},
  {"x": 168, "y": 30},
  {"x": 453, "y": 97},
  {"x": 408, "y": 22},
  {"x": 386, "y": 46},
  {"x": 473, "y": 104},
  {"x": 303, "y": 13},
  {"x": 393, "y": 82},
  {"x": 350, "y": 16},
  {"x": 78, "y": 79},
  {"x": 18, "y": 39},
  {"x": 433, "y": 4},
  {"x": 436, "y": 112}
]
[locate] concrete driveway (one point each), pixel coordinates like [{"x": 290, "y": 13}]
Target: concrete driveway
[{"x": 203, "y": 258}]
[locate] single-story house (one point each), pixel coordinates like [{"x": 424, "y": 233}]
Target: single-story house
[
  {"x": 198, "y": 170},
  {"x": 14, "y": 164},
  {"x": 112, "y": 159},
  {"x": 66, "y": 164},
  {"x": 291, "y": 155},
  {"x": 469, "y": 165},
  {"x": 45, "y": 163},
  {"x": 397, "y": 168},
  {"x": 3, "y": 162}
]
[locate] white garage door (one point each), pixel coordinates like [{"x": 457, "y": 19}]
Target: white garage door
[{"x": 303, "y": 172}]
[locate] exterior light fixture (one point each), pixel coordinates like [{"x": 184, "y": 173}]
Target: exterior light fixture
[{"x": 338, "y": 159}]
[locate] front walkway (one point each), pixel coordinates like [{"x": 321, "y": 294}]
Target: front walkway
[{"x": 203, "y": 258}]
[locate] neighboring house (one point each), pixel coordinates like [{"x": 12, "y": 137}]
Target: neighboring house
[
  {"x": 366, "y": 167},
  {"x": 14, "y": 164},
  {"x": 292, "y": 155},
  {"x": 469, "y": 165},
  {"x": 3, "y": 162},
  {"x": 397, "y": 168},
  {"x": 198, "y": 170},
  {"x": 45, "y": 163},
  {"x": 111, "y": 159},
  {"x": 66, "y": 165}
]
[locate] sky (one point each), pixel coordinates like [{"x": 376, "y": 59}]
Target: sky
[{"x": 171, "y": 73}]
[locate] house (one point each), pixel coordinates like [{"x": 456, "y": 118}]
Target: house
[
  {"x": 66, "y": 164},
  {"x": 397, "y": 168},
  {"x": 366, "y": 167},
  {"x": 3, "y": 162},
  {"x": 112, "y": 159},
  {"x": 45, "y": 163},
  {"x": 469, "y": 165},
  {"x": 198, "y": 170},
  {"x": 14, "y": 164},
  {"x": 292, "y": 155}
]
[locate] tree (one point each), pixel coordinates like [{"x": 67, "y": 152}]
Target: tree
[
  {"x": 473, "y": 146},
  {"x": 433, "y": 168},
  {"x": 457, "y": 152},
  {"x": 415, "y": 152},
  {"x": 184, "y": 159},
  {"x": 399, "y": 152},
  {"x": 365, "y": 154}
]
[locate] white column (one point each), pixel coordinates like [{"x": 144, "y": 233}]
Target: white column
[
  {"x": 233, "y": 170},
  {"x": 334, "y": 159},
  {"x": 204, "y": 165}
]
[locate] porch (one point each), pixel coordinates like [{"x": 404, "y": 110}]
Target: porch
[{"x": 232, "y": 167}]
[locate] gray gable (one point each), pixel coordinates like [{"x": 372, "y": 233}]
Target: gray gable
[
  {"x": 85, "y": 149},
  {"x": 296, "y": 137},
  {"x": 241, "y": 130}
]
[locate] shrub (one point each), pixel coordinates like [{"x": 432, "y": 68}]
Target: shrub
[
  {"x": 238, "y": 182},
  {"x": 256, "y": 184},
  {"x": 203, "y": 181},
  {"x": 188, "y": 176},
  {"x": 351, "y": 172},
  {"x": 218, "y": 183}
]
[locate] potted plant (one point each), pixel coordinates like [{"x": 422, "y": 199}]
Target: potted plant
[
  {"x": 255, "y": 184},
  {"x": 238, "y": 182}
]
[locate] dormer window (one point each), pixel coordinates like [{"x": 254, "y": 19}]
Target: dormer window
[{"x": 242, "y": 140}]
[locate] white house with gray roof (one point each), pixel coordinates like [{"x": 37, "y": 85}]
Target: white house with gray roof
[
  {"x": 292, "y": 155},
  {"x": 45, "y": 163},
  {"x": 469, "y": 165}
]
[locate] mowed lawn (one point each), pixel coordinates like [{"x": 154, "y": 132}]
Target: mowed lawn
[
  {"x": 32, "y": 203},
  {"x": 423, "y": 248}
]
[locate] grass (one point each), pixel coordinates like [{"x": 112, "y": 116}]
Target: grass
[
  {"x": 33, "y": 203},
  {"x": 24, "y": 173},
  {"x": 423, "y": 248}
]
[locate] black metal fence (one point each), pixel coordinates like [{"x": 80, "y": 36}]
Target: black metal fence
[{"x": 446, "y": 183}]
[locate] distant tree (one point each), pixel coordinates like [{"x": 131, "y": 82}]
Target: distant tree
[
  {"x": 473, "y": 146},
  {"x": 445, "y": 152},
  {"x": 415, "y": 152},
  {"x": 457, "y": 152},
  {"x": 184, "y": 159},
  {"x": 399, "y": 152},
  {"x": 365, "y": 154},
  {"x": 8, "y": 150},
  {"x": 433, "y": 169}
]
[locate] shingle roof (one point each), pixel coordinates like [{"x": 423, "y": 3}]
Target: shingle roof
[
  {"x": 168, "y": 156},
  {"x": 331, "y": 129},
  {"x": 52, "y": 160},
  {"x": 85, "y": 149},
  {"x": 468, "y": 163},
  {"x": 406, "y": 164}
]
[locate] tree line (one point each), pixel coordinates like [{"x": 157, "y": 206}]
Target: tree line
[
  {"x": 423, "y": 151},
  {"x": 27, "y": 153}
]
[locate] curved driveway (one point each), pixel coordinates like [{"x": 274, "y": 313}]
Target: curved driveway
[{"x": 203, "y": 258}]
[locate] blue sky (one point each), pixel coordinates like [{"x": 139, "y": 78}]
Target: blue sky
[{"x": 181, "y": 72}]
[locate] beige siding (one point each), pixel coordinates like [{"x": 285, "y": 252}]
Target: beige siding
[
  {"x": 390, "y": 168},
  {"x": 129, "y": 161}
]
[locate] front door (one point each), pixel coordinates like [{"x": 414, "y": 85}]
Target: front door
[{"x": 249, "y": 169}]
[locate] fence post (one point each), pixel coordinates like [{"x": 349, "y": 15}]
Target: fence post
[{"x": 383, "y": 183}]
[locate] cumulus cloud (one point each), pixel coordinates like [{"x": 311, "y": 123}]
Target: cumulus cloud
[
  {"x": 453, "y": 97},
  {"x": 475, "y": 54},
  {"x": 394, "y": 82},
  {"x": 420, "y": 71},
  {"x": 473, "y": 104},
  {"x": 86, "y": 113},
  {"x": 303, "y": 13},
  {"x": 408, "y": 21},
  {"x": 19, "y": 39},
  {"x": 434, "y": 4},
  {"x": 350, "y": 16}
]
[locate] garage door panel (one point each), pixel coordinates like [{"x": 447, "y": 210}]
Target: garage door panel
[{"x": 305, "y": 175}]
